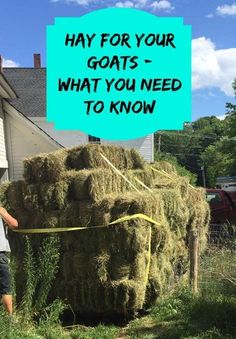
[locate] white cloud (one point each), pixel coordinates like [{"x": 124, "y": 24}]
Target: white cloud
[
  {"x": 9, "y": 63},
  {"x": 162, "y": 5},
  {"x": 212, "y": 67},
  {"x": 132, "y": 3},
  {"x": 76, "y": 2},
  {"x": 226, "y": 9},
  {"x": 128, "y": 4},
  {"x": 221, "y": 117},
  {"x": 209, "y": 16},
  {"x": 153, "y": 5}
]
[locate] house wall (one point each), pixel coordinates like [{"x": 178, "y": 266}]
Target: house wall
[
  {"x": 65, "y": 138},
  {"x": 3, "y": 156},
  {"x": 144, "y": 145},
  {"x": 74, "y": 138},
  {"x": 23, "y": 140}
]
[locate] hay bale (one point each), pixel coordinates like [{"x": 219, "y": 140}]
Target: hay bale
[
  {"x": 54, "y": 196},
  {"x": 95, "y": 184},
  {"x": 145, "y": 175},
  {"x": 77, "y": 214},
  {"x": 13, "y": 196},
  {"x": 119, "y": 268},
  {"x": 113, "y": 269},
  {"x": 176, "y": 210},
  {"x": 79, "y": 185},
  {"x": 45, "y": 167},
  {"x": 107, "y": 271},
  {"x": 74, "y": 159},
  {"x": 88, "y": 156},
  {"x": 164, "y": 166},
  {"x": 31, "y": 198},
  {"x": 170, "y": 179}
]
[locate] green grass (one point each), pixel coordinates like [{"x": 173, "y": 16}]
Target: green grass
[
  {"x": 210, "y": 314},
  {"x": 181, "y": 315}
]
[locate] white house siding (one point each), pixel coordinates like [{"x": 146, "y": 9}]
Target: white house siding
[
  {"x": 144, "y": 146},
  {"x": 24, "y": 140},
  {"x": 74, "y": 138},
  {"x": 3, "y": 157},
  {"x": 65, "y": 138}
]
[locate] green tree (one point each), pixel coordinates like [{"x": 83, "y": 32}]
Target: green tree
[
  {"x": 188, "y": 145},
  {"x": 220, "y": 158},
  {"x": 216, "y": 163}
]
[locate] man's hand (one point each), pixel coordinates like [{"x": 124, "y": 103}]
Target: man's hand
[{"x": 11, "y": 222}]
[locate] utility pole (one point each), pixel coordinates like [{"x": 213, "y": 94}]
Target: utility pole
[
  {"x": 159, "y": 143},
  {"x": 203, "y": 176}
]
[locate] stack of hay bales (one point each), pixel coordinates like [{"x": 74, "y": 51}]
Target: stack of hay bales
[{"x": 115, "y": 269}]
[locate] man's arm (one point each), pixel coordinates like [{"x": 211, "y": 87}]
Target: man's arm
[{"x": 11, "y": 222}]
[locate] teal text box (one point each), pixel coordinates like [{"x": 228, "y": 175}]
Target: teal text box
[{"x": 142, "y": 57}]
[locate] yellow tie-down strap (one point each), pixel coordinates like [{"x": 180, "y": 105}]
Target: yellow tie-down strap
[{"x": 69, "y": 229}]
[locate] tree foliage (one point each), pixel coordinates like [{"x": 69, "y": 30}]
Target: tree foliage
[{"x": 207, "y": 144}]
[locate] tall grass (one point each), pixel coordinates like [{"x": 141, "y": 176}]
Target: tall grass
[{"x": 40, "y": 270}]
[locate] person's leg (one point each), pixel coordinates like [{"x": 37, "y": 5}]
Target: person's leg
[
  {"x": 5, "y": 285},
  {"x": 7, "y": 302}
]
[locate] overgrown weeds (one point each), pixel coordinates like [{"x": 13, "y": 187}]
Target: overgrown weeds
[{"x": 211, "y": 314}]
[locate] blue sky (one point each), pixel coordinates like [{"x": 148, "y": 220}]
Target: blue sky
[{"x": 23, "y": 32}]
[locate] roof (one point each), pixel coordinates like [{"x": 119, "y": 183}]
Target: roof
[
  {"x": 6, "y": 90},
  {"x": 30, "y": 86},
  {"x": 8, "y": 106}
]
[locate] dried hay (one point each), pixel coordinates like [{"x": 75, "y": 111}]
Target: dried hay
[
  {"x": 95, "y": 184},
  {"x": 120, "y": 157},
  {"x": 54, "y": 196},
  {"x": 164, "y": 166},
  {"x": 49, "y": 167},
  {"x": 169, "y": 179},
  {"x": 108, "y": 264},
  {"x": 120, "y": 268},
  {"x": 45, "y": 167}
]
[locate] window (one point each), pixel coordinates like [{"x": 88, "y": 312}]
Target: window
[
  {"x": 94, "y": 140},
  {"x": 213, "y": 198}
]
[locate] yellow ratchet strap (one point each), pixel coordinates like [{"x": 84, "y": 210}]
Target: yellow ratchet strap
[{"x": 70, "y": 229}]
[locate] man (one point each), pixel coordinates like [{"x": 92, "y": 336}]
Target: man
[{"x": 5, "y": 288}]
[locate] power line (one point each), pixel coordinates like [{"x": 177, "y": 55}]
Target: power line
[
  {"x": 164, "y": 143},
  {"x": 187, "y": 135}
]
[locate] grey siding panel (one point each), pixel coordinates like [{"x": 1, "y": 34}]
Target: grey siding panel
[
  {"x": 75, "y": 138},
  {"x": 65, "y": 138},
  {"x": 23, "y": 142},
  {"x": 144, "y": 146},
  {"x": 3, "y": 156}
]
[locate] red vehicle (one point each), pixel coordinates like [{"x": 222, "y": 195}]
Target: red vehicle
[{"x": 223, "y": 208}]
